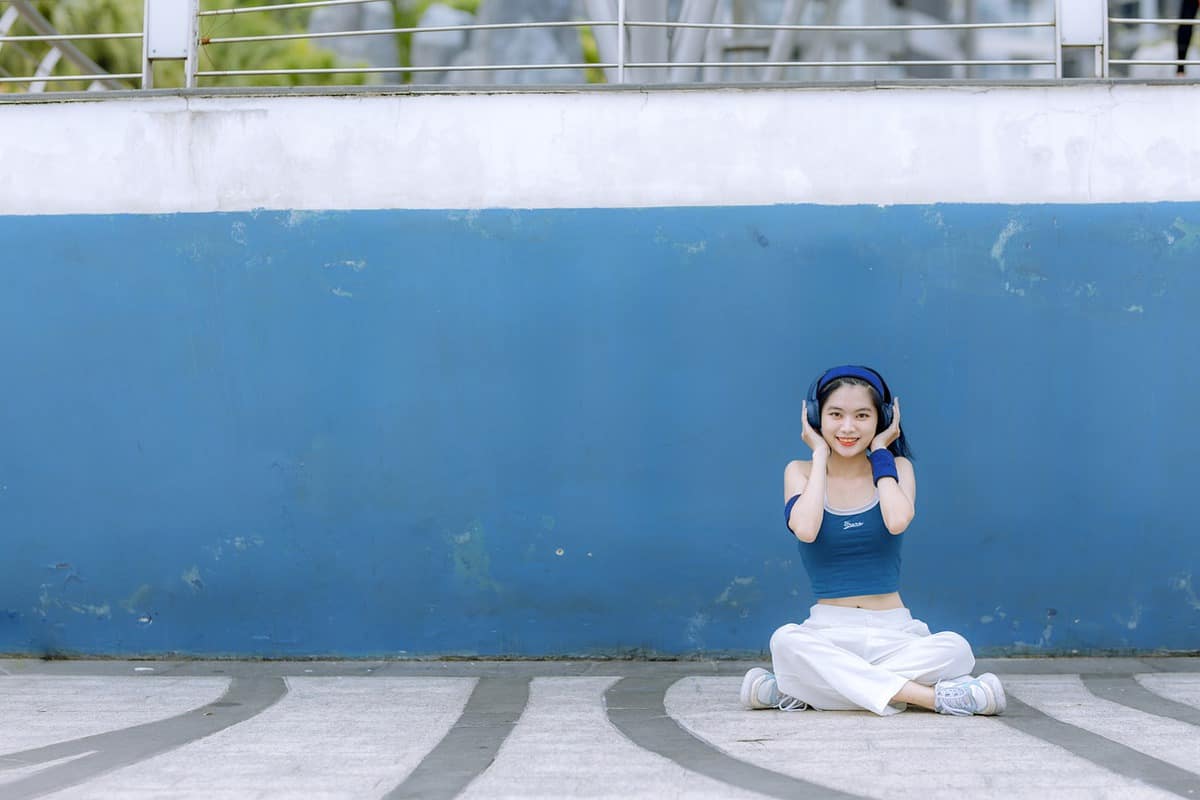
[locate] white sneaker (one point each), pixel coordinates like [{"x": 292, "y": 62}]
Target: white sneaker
[
  {"x": 962, "y": 697},
  {"x": 759, "y": 690}
]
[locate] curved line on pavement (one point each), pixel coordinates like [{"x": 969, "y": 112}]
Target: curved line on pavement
[
  {"x": 635, "y": 706},
  {"x": 1100, "y": 751},
  {"x": 245, "y": 698},
  {"x": 1128, "y": 692},
  {"x": 470, "y": 747}
]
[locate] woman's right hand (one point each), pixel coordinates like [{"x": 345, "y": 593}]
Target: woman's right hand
[{"x": 811, "y": 438}]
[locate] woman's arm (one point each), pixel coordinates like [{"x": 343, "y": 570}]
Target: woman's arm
[
  {"x": 807, "y": 479},
  {"x": 808, "y": 511},
  {"x": 898, "y": 497}
]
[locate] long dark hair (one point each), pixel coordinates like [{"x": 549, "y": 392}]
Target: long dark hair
[{"x": 900, "y": 446}]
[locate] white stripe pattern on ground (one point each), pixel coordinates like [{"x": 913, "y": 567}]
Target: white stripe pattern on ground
[
  {"x": 564, "y": 746},
  {"x": 1065, "y": 698},
  {"x": 328, "y": 737},
  {"x": 40, "y": 710},
  {"x": 11, "y": 775},
  {"x": 914, "y": 755},
  {"x": 1180, "y": 687}
]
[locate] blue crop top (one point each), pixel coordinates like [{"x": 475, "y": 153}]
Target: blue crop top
[{"x": 853, "y": 554}]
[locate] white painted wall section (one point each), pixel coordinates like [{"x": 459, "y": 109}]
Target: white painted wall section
[{"x": 1069, "y": 143}]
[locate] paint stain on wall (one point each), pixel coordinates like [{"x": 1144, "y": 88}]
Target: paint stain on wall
[
  {"x": 687, "y": 248},
  {"x": 1133, "y": 620},
  {"x": 1189, "y": 234},
  {"x": 53, "y": 595},
  {"x": 297, "y": 218},
  {"x": 192, "y": 578},
  {"x": 695, "y": 629},
  {"x": 139, "y": 599},
  {"x": 239, "y": 544},
  {"x": 997, "y": 613},
  {"x": 728, "y": 597},
  {"x": 759, "y": 237},
  {"x": 491, "y": 226},
  {"x": 739, "y": 594},
  {"x": 103, "y": 611},
  {"x": 1182, "y": 583},
  {"x": 472, "y": 563},
  {"x": 1047, "y": 635},
  {"x": 357, "y": 265},
  {"x": 1011, "y": 229},
  {"x": 48, "y": 599}
]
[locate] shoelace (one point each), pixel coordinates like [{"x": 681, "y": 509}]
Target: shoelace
[
  {"x": 957, "y": 701},
  {"x": 787, "y": 703}
]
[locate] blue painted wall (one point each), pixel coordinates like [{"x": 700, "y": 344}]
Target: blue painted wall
[{"x": 563, "y": 432}]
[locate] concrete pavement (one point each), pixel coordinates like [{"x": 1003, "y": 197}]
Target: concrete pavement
[{"x": 1076, "y": 728}]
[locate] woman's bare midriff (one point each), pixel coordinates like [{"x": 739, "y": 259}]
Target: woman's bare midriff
[{"x": 871, "y": 602}]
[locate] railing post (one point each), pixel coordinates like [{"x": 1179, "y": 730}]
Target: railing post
[
  {"x": 1058, "y": 64},
  {"x": 1103, "y": 55},
  {"x": 620, "y": 41},
  {"x": 191, "y": 63},
  {"x": 169, "y": 33},
  {"x": 1082, "y": 24}
]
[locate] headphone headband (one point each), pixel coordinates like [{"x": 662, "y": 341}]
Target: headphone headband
[{"x": 850, "y": 371}]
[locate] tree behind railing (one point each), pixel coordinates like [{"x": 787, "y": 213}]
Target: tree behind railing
[{"x": 124, "y": 56}]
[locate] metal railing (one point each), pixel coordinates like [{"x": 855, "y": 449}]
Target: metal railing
[
  {"x": 622, "y": 57},
  {"x": 60, "y": 48},
  {"x": 1163, "y": 37},
  {"x": 817, "y": 40}
]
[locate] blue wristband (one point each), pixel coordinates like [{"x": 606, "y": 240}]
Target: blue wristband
[{"x": 883, "y": 465}]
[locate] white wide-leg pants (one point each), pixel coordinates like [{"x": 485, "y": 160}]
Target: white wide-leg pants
[{"x": 852, "y": 658}]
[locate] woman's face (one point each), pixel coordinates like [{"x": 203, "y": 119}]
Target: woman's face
[{"x": 848, "y": 420}]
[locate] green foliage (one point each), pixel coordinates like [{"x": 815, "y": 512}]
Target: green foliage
[
  {"x": 125, "y": 55},
  {"x": 78, "y": 16},
  {"x": 283, "y": 54},
  {"x": 591, "y": 55}
]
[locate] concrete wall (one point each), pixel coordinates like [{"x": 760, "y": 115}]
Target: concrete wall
[{"x": 273, "y": 385}]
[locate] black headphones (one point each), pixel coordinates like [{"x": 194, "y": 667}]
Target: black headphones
[{"x": 849, "y": 371}]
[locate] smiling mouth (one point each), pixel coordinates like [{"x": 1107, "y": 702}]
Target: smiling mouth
[{"x": 846, "y": 442}]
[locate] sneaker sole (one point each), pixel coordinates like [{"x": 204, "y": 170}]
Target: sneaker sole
[
  {"x": 998, "y": 696},
  {"x": 748, "y": 686}
]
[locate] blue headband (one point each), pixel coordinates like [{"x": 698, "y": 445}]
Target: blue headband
[{"x": 849, "y": 371}]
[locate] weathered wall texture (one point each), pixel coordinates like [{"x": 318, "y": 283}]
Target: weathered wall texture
[
  {"x": 1085, "y": 143},
  {"x": 381, "y": 428}
]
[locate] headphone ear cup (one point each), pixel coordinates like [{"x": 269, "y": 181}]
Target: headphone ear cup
[
  {"x": 885, "y": 400},
  {"x": 813, "y": 406}
]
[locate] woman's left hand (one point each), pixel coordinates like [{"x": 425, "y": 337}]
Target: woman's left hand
[{"x": 891, "y": 433}]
